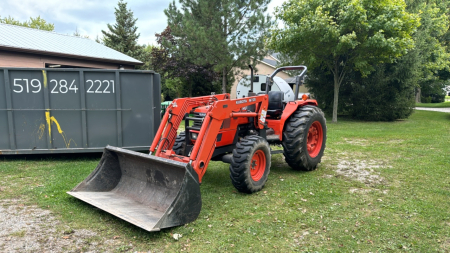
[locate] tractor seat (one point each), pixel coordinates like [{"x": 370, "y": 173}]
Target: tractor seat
[{"x": 275, "y": 103}]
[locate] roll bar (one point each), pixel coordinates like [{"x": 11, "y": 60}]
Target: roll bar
[
  {"x": 298, "y": 80},
  {"x": 251, "y": 78}
]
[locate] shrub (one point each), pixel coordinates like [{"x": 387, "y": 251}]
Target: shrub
[
  {"x": 433, "y": 91},
  {"x": 426, "y": 99},
  {"x": 385, "y": 95}
]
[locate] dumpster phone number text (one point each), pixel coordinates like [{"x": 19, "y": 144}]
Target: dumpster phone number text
[{"x": 62, "y": 86}]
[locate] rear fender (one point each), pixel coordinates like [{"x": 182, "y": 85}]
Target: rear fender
[{"x": 289, "y": 109}]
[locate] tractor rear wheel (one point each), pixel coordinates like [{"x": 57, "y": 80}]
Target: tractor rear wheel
[
  {"x": 180, "y": 144},
  {"x": 304, "y": 137},
  {"x": 250, "y": 164}
]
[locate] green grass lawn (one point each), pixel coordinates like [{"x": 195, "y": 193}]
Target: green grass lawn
[
  {"x": 380, "y": 187},
  {"x": 434, "y": 105}
]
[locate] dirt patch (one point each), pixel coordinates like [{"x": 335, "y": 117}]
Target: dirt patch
[
  {"x": 362, "y": 171},
  {"x": 364, "y": 191},
  {"x": 31, "y": 229},
  {"x": 445, "y": 244},
  {"x": 357, "y": 142}
]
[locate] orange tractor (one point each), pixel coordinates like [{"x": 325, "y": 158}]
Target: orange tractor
[{"x": 162, "y": 189}]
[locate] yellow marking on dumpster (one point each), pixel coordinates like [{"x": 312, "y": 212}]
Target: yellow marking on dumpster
[
  {"x": 51, "y": 120},
  {"x": 41, "y": 131},
  {"x": 44, "y": 74}
]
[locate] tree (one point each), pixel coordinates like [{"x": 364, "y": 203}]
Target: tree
[
  {"x": 432, "y": 45},
  {"x": 447, "y": 90},
  {"x": 78, "y": 34},
  {"x": 223, "y": 34},
  {"x": 173, "y": 88},
  {"x": 99, "y": 40},
  {"x": 123, "y": 36},
  {"x": 386, "y": 94},
  {"x": 148, "y": 57},
  {"x": 181, "y": 76},
  {"x": 341, "y": 36},
  {"x": 35, "y": 23}
]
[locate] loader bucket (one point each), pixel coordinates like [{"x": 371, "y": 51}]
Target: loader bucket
[{"x": 147, "y": 191}]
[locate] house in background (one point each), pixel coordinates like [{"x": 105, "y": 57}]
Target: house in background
[
  {"x": 266, "y": 66},
  {"x": 31, "y": 48}
]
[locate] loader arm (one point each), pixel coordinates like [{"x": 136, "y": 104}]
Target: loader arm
[
  {"x": 204, "y": 146},
  {"x": 167, "y": 131}
]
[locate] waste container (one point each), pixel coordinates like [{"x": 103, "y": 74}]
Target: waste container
[{"x": 77, "y": 110}]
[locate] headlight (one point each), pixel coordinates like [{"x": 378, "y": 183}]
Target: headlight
[{"x": 194, "y": 136}]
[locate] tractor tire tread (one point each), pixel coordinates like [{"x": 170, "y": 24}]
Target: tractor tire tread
[
  {"x": 240, "y": 164},
  {"x": 295, "y": 134},
  {"x": 180, "y": 143}
]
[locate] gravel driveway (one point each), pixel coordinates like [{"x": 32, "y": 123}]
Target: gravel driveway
[{"x": 31, "y": 229}]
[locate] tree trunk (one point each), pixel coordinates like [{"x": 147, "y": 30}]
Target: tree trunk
[
  {"x": 336, "y": 96},
  {"x": 224, "y": 80},
  {"x": 418, "y": 94}
]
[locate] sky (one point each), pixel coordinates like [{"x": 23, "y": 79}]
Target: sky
[{"x": 90, "y": 17}]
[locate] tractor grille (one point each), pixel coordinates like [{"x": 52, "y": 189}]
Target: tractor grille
[
  {"x": 199, "y": 121},
  {"x": 198, "y": 124}
]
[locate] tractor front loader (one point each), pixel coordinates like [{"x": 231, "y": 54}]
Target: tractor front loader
[{"x": 162, "y": 189}]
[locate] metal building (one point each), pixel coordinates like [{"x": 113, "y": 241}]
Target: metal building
[{"x": 31, "y": 48}]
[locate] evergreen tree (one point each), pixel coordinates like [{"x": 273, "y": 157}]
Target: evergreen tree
[
  {"x": 226, "y": 34},
  {"x": 122, "y": 36}
]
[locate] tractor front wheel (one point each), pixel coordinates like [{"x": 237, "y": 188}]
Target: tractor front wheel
[
  {"x": 180, "y": 144},
  {"x": 250, "y": 164},
  {"x": 304, "y": 137}
]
